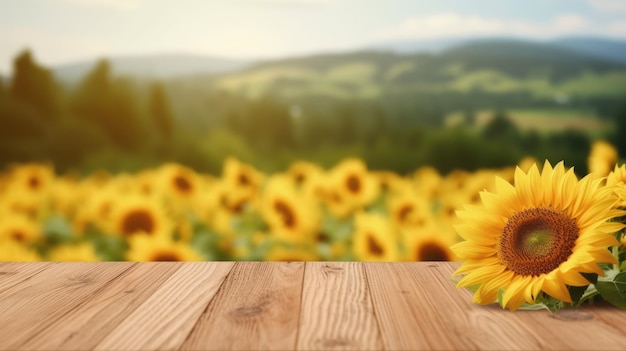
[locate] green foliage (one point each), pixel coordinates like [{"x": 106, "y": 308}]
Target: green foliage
[
  {"x": 110, "y": 104},
  {"x": 35, "y": 86},
  {"x": 121, "y": 124},
  {"x": 160, "y": 111},
  {"x": 614, "y": 291}
]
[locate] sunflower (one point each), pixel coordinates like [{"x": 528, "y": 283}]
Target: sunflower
[
  {"x": 19, "y": 228},
  {"x": 65, "y": 196},
  {"x": 353, "y": 183},
  {"x": 136, "y": 214},
  {"x": 427, "y": 181},
  {"x": 538, "y": 235},
  {"x": 428, "y": 244},
  {"x": 29, "y": 185},
  {"x": 241, "y": 175},
  {"x": 410, "y": 210},
  {"x": 145, "y": 248},
  {"x": 176, "y": 183},
  {"x": 285, "y": 254},
  {"x": 291, "y": 215},
  {"x": 13, "y": 251},
  {"x": 302, "y": 172},
  {"x": 602, "y": 158},
  {"x": 79, "y": 252},
  {"x": 374, "y": 238}
]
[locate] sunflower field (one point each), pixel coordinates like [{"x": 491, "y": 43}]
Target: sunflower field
[{"x": 173, "y": 213}]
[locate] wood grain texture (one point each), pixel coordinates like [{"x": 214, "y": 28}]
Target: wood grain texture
[
  {"x": 87, "y": 324},
  {"x": 30, "y": 307},
  {"x": 333, "y": 320},
  {"x": 12, "y": 274},
  {"x": 419, "y": 307},
  {"x": 256, "y": 309},
  {"x": 275, "y": 306},
  {"x": 163, "y": 321}
]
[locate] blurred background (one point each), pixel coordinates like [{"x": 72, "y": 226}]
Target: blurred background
[{"x": 289, "y": 129}]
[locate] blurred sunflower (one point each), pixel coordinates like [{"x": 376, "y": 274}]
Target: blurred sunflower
[
  {"x": 286, "y": 254},
  {"x": 19, "y": 228},
  {"x": 391, "y": 182},
  {"x": 428, "y": 244},
  {"x": 616, "y": 181},
  {"x": 427, "y": 181},
  {"x": 290, "y": 215},
  {"x": 353, "y": 183},
  {"x": 30, "y": 184},
  {"x": 65, "y": 196},
  {"x": 602, "y": 158},
  {"x": 146, "y": 248},
  {"x": 241, "y": 175},
  {"x": 176, "y": 183},
  {"x": 12, "y": 251},
  {"x": 135, "y": 214},
  {"x": 78, "y": 252},
  {"x": 538, "y": 235},
  {"x": 374, "y": 238},
  {"x": 410, "y": 210},
  {"x": 303, "y": 172},
  {"x": 95, "y": 210}
]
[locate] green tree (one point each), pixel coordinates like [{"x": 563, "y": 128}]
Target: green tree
[
  {"x": 346, "y": 126},
  {"x": 111, "y": 105},
  {"x": 268, "y": 124},
  {"x": 160, "y": 110},
  {"x": 35, "y": 86},
  {"x": 500, "y": 127},
  {"x": 378, "y": 126}
]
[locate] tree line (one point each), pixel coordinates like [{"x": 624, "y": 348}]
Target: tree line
[{"x": 111, "y": 122}]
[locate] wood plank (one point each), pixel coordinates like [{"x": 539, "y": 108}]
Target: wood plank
[
  {"x": 31, "y": 306},
  {"x": 337, "y": 311},
  {"x": 87, "y": 324},
  {"x": 14, "y": 273},
  {"x": 256, "y": 309},
  {"x": 419, "y": 308},
  {"x": 163, "y": 321}
]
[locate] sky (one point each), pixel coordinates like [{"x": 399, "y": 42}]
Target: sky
[{"x": 65, "y": 31}]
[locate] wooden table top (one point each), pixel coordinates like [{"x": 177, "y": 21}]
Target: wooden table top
[{"x": 274, "y": 306}]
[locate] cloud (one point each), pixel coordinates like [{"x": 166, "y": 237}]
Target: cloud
[
  {"x": 117, "y": 5},
  {"x": 457, "y": 25},
  {"x": 610, "y": 6}
]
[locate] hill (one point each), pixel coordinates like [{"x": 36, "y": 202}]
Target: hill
[
  {"x": 155, "y": 66},
  {"x": 610, "y": 49},
  {"x": 493, "y": 66}
]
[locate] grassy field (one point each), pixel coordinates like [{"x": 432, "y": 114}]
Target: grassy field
[{"x": 546, "y": 120}]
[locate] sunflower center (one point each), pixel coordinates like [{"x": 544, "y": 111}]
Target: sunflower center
[
  {"x": 165, "y": 256},
  {"x": 243, "y": 179},
  {"x": 353, "y": 183},
  {"x": 537, "y": 240},
  {"x": 286, "y": 213},
  {"x": 182, "y": 184},
  {"x": 432, "y": 252},
  {"x": 137, "y": 221},
  {"x": 33, "y": 182},
  {"x": 404, "y": 212},
  {"x": 374, "y": 247},
  {"x": 18, "y": 235}
]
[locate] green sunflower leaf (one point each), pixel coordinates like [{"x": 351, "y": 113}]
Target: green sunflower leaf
[{"x": 614, "y": 291}]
